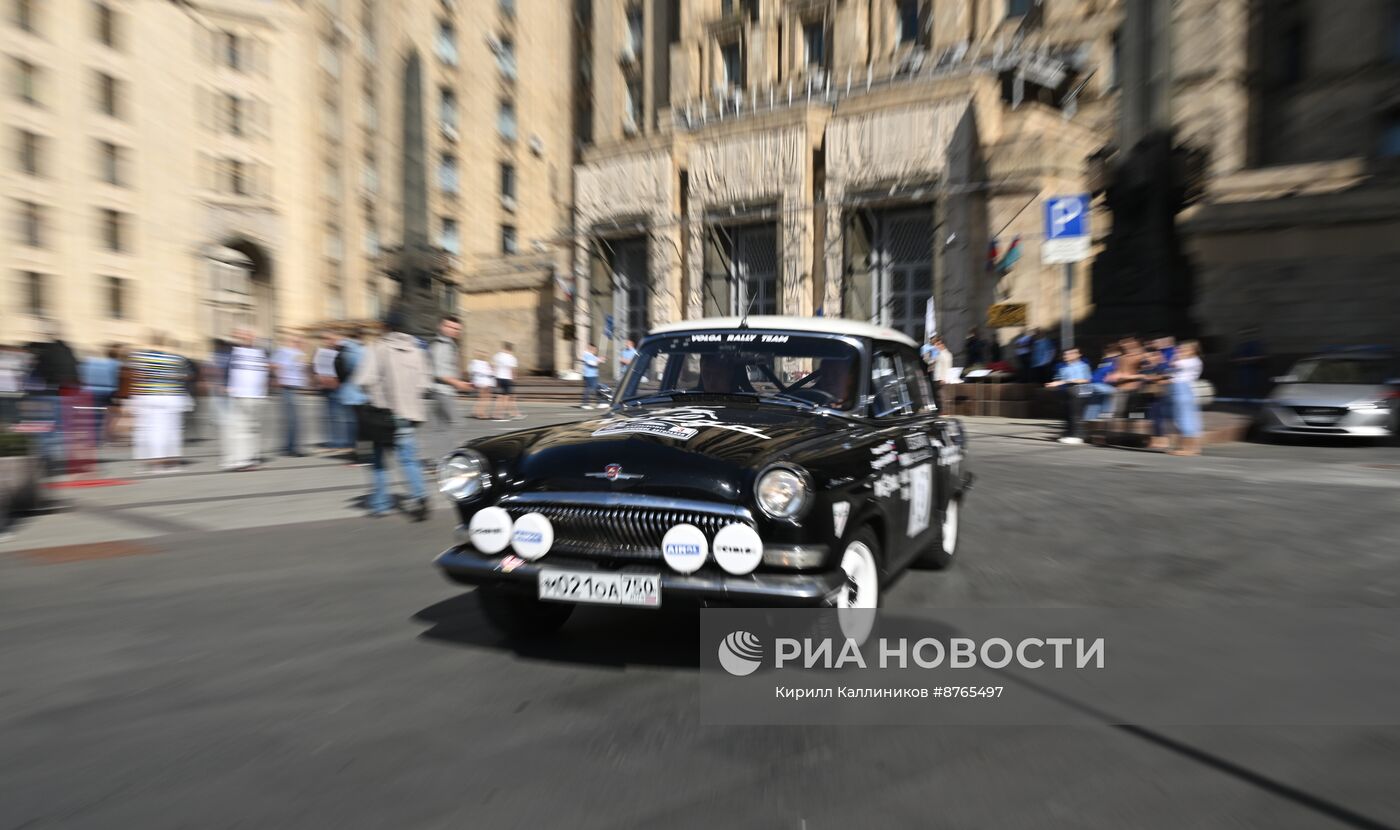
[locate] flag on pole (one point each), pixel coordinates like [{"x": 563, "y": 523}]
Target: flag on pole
[
  {"x": 992, "y": 256},
  {"x": 1012, "y": 255}
]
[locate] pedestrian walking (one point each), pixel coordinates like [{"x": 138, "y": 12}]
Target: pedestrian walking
[
  {"x": 158, "y": 404},
  {"x": 928, "y": 352},
  {"x": 974, "y": 349},
  {"x": 99, "y": 375},
  {"x": 447, "y": 382},
  {"x": 396, "y": 375},
  {"x": 290, "y": 372},
  {"x": 1042, "y": 357},
  {"x": 53, "y": 375},
  {"x": 350, "y": 395},
  {"x": 14, "y": 367},
  {"x": 1186, "y": 410},
  {"x": 589, "y": 362},
  {"x": 1073, "y": 378},
  {"x": 484, "y": 381},
  {"x": 327, "y": 382},
  {"x": 1021, "y": 346},
  {"x": 942, "y": 369},
  {"x": 247, "y": 389},
  {"x": 624, "y": 357},
  {"x": 504, "y": 365}
]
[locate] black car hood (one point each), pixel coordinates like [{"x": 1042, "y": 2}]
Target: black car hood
[{"x": 706, "y": 452}]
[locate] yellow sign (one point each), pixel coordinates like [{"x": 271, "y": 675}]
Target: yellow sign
[{"x": 1006, "y": 315}]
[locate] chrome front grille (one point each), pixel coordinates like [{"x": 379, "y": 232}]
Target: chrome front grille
[{"x": 608, "y": 525}]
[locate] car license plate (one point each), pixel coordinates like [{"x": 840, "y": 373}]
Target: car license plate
[{"x": 601, "y": 588}]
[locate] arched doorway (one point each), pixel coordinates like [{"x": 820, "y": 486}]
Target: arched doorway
[{"x": 241, "y": 281}]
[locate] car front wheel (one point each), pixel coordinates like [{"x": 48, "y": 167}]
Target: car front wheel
[
  {"x": 520, "y": 615},
  {"x": 942, "y": 552}
]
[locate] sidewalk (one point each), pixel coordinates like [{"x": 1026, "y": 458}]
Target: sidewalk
[{"x": 199, "y": 497}]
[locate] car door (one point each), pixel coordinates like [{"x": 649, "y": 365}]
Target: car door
[{"x": 905, "y": 452}]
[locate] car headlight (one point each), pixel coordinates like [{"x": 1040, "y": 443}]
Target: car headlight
[
  {"x": 464, "y": 475},
  {"x": 783, "y": 492},
  {"x": 1370, "y": 406}
]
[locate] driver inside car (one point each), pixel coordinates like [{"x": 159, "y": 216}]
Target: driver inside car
[
  {"x": 716, "y": 374},
  {"x": 836, "y": 378}
]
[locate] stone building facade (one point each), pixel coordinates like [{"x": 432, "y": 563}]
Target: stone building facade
[
  {"x": 1297, "y": 105},
  {"x": 184, "y": 167},
  {"x": 823, "y": 157}
]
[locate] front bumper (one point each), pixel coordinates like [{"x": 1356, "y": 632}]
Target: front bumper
[
  {"x": 466, "y": 566},
  {"x": 1276, "y": 419}
]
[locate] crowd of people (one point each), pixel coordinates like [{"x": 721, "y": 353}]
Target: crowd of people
[
  {"x": 1157, "y": 379},
  {"x": 156, "y": 399}
]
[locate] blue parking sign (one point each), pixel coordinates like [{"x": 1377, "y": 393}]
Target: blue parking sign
[
  {"x": 1067, "y": 216},
  {"x": 1066, "y": 229}
]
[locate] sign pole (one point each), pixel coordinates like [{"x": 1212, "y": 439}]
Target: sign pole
[{"x": 1066, "y": 309}]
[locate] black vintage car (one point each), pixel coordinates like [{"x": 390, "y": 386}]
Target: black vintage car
[{"x": 770, "y": 461}]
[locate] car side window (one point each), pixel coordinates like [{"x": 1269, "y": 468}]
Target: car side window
[
  {"x": 887, "y": 383},
  {"x": 919, "y": 390}
]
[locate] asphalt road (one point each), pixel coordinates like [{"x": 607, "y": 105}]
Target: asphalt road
[{"x": 319, "y": 673}]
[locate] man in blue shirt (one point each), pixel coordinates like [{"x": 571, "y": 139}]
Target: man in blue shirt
[
  {"x": 929, "y": 352},
  {"x": 99, "y": 377},
  {"x": 1042, "y": 356},
  {"x": 590, "y": 377},
  {"x": 1074, "y": 377}
]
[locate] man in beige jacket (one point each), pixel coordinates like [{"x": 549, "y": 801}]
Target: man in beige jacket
[{"x": 396, "y": 375}]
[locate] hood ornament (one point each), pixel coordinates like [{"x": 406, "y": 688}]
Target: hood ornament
[{"x": 613, "y": 472}]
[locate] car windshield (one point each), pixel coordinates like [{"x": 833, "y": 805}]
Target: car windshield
[
  {"x": 777, "y": 367},
  {"x": 1353, "y": 370}
]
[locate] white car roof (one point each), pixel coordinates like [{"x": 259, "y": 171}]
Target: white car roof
[{"x": 819, "y": 325}]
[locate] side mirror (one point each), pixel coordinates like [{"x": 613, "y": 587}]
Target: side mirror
[{"x": 1286, "y": 379}]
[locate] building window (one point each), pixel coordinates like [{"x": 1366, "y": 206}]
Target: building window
[
  {"x": 635, "y": 43},
  {"x": 447, "y": 173},
  {"x": 449, "y": 237},
  {"x": 330, "y": 58},
  {"x": 814, "y": 39},
  {"x": 113, "y": 227},
  {"x": 233, "y": 114},
  {"x": 334, "y": 248},
  {"x": 232, "y": 50},
  {"x": 108, "y": 95},
  {"x": 116, "y": 298},
  {"x": 508, "y": 181},
  {"x": 445, "y": 43},
  {"x": 106, "y": 23},
  {"x": 909, "y": 20},
  {"x": 731, "y": 59},
  {"x": 1019, "y": 8},
  {"x": 447, "y": 109},
  {"x": 505, "y": 120},
  {"x": 31, "y": 152},
  {"x": 31, "y": 221},
  {"x": 237, "y": 178},
  {"x": 369, "y": 176},
  {"x": 371, "y": 241},
  {"x": 24, "y": 15},
  {"x": 27, "y": 81},
  {"x": 371, "y": 111},
  {"x": 507, "y": 7},
  {"x": 510, "y": 243},
  {"x": 35, "y": 299},
  {"x": 505, "y": 57},
  {"x": 109, "y": 162}
]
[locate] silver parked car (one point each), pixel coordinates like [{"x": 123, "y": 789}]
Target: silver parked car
[{"x": 1349, "y": 393}]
